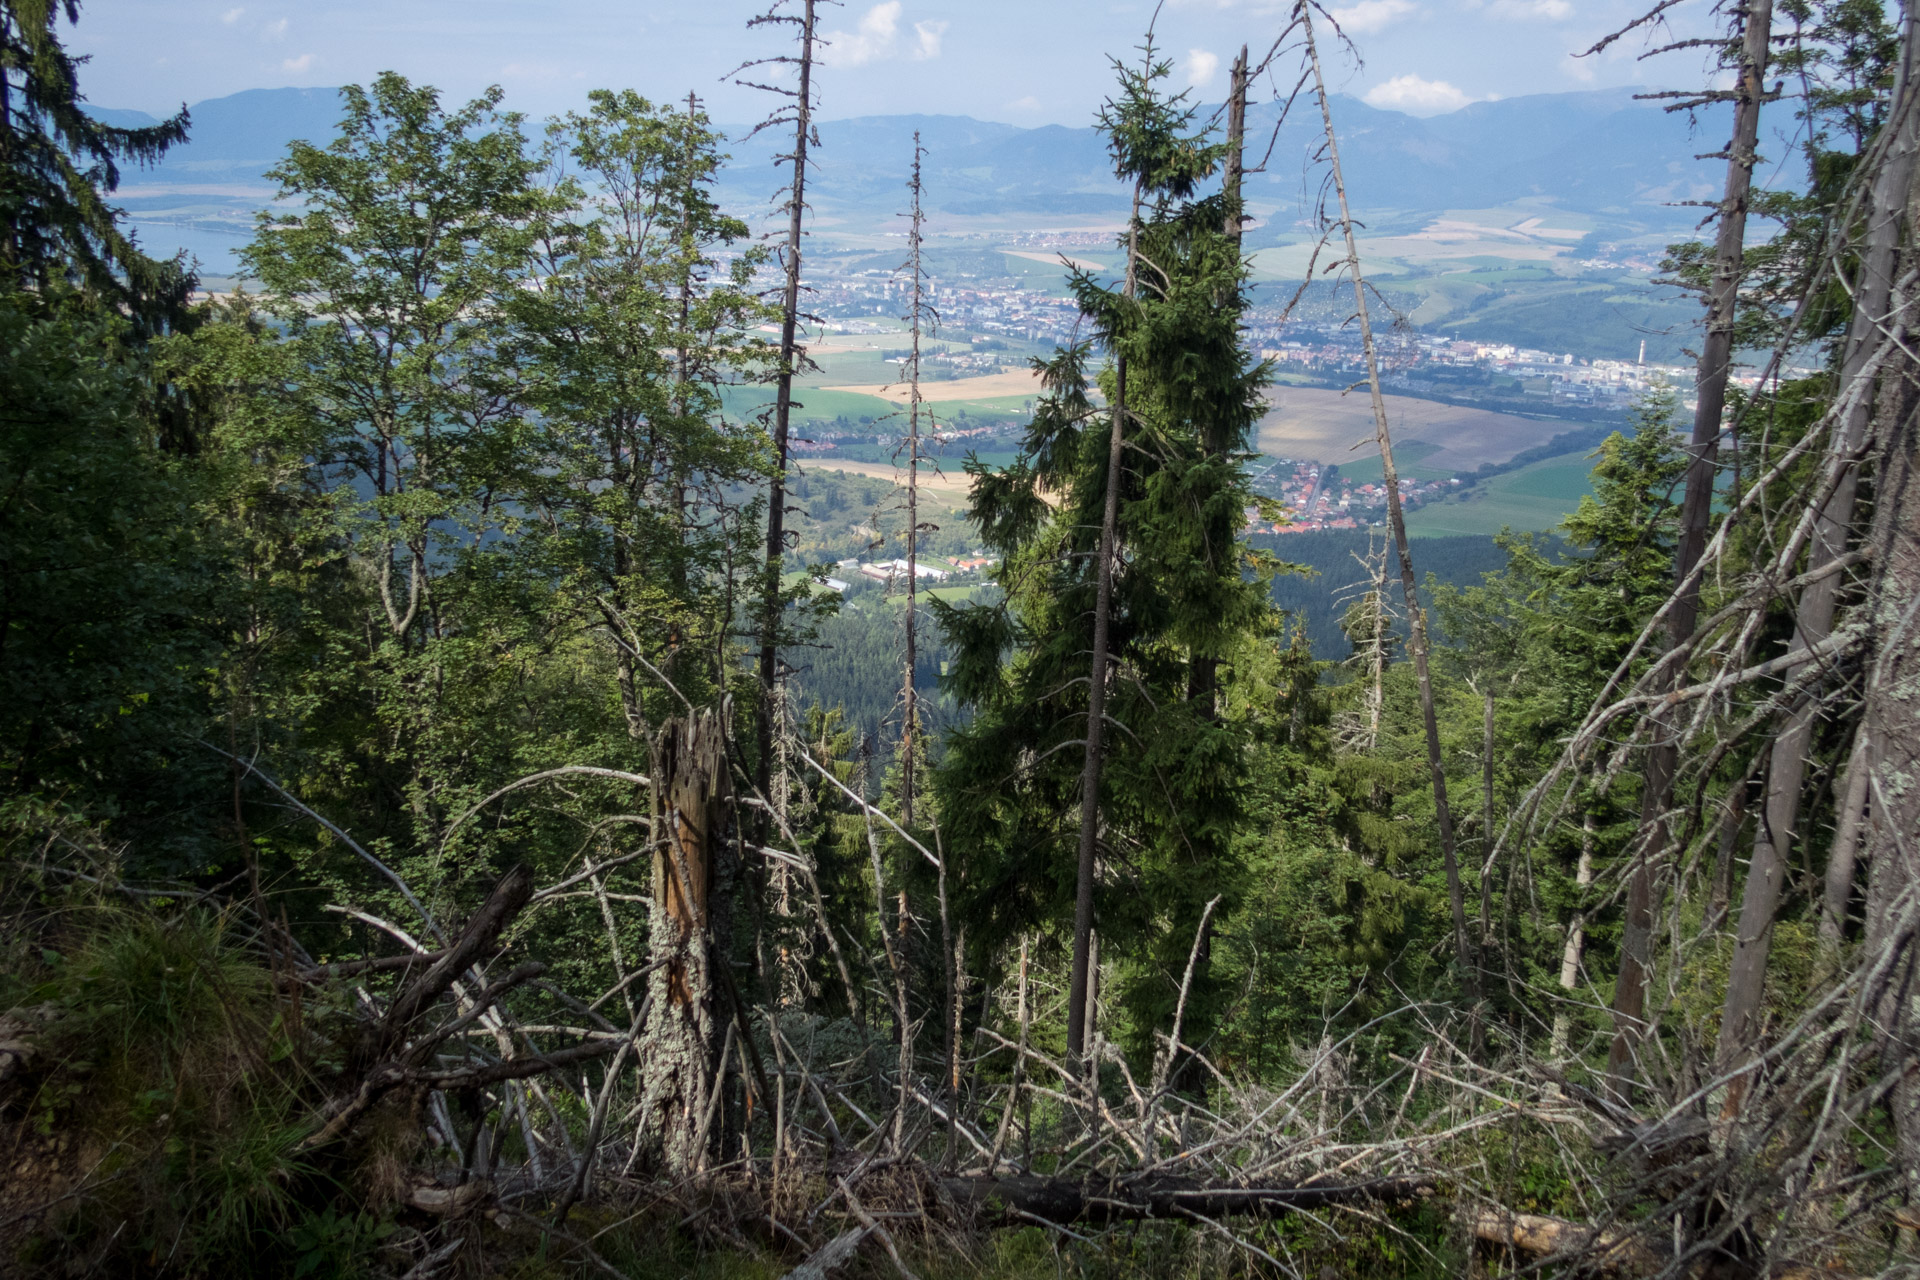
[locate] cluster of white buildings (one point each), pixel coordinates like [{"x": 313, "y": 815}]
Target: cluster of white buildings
[{"x": 928, "y": 569}]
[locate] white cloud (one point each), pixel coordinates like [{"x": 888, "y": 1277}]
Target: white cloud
[
  {"x": 926, "y": 38},
  {"x": 1532, "y": 10},
  {"x": 1417, "y": 97},
  {"x": 1371, "y": 15},
  {"x": 878, "y": 33},
  {"x": 231, "y": 16},
  {"x": 1028, "y": 103},
  {"x": 275, "y": 30},
  {"x": 297, "y": 65},
  {"x": 1200, "y": 66},
  {"x": 878, "y": 38}
]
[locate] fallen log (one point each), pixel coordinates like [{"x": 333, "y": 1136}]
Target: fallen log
[
  {"x": 1548, "y": 1237},
  {"x": 829, "y": 1256},
  {"x": 1617, "y": 1251},
  {"x": 1099, "y": 1201}
]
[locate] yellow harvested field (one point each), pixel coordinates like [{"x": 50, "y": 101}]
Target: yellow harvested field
[
  {"x": 952, "y": 482},
  {"x": 1054, "y": 259},
  {"x": 1020, "y": 382},
  {"x": 1311, "y": 422}
]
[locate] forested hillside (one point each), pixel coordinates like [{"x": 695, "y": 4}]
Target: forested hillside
[{"x": 457, "y": 823}]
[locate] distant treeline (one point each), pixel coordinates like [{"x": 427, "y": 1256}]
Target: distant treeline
[
  {"x": 854, "y": 665},
  {"x": 1318, "y": 599}
]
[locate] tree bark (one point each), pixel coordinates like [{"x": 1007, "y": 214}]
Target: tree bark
[
  {"x": 782, "y": 414},
  {"x": 690, "y": 929},
  {"x": 1097, "y": 688},
  {"x": 1607, "y": 1251},
  {"x": 910, "y": 710},
  {"x": 1486, "y": 820},
  {"x": 1575, "y": 950},
  {"x": 1716, "y": 357},
  {"x": 1892, "y": 757},
  {"x": 1813, "y": 619},
  {"x": 1841, "y": 858}
]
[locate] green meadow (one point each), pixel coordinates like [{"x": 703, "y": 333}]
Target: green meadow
[{"x": 1534, "y": 497}]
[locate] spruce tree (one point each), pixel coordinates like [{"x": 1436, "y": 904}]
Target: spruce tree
[
  {"x": 1180, "y": 396},
  {"x": 58, "y": 165}
]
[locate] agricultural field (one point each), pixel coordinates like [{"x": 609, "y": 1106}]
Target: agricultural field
[
  {"x": 950, "y": 480},
  {"x": 1061, "y": 263},
  {"x": 1018, "y": 385},
  {"x": 1516, "y": 274},
  {"x": 815, "y": 404},
  {"x": 1327, "y": 426},
  {"x": 1534, "y": 497},
  {"x": 1409, "y": 457}
]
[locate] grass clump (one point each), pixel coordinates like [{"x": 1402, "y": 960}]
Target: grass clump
[{"x": 173, "y": 1087}]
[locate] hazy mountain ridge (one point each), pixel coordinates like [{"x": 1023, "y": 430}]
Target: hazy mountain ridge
[{"x": 1596, "y": 152}]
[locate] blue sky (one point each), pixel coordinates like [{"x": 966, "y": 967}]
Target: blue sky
[{"x": 1026, "y": 62}]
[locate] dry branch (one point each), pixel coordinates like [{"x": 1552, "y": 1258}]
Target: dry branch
[{"x": 1062, "y": 1201}]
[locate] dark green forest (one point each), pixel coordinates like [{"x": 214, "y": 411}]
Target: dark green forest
[{"x": 450, "y": 828}]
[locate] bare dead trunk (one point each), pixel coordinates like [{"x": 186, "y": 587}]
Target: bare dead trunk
[
  {"x": 1720, "y": 892},
  {"x": 1892, "y": 757},
  {"x": 897, "y": 970},
  {"x": 1396, "y": 518},
  {"x": 1574, "y": 952},
  {"x": 1376, "y": 695},
  {"x": 1716, "y": 356},
  {"x": 783, "y": 409},
  {"x": 910, "y": 712},
  {"x": 1105, "y": 1199},
  {"x": 690, "y": 928},
  {"x": 1486, "y": 821},
  {"x": 1841, "y": 858},
  {"x": 1097, "y": 688}
]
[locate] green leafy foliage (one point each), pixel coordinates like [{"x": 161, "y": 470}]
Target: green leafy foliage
[{"x": 110, "y": 582}]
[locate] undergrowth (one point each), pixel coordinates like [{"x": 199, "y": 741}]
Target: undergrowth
[{"x": 164, "y": 1115}]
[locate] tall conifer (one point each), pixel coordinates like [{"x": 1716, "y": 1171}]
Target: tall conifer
[
  {"x": 1141, "y": 564},
  {"x": 57, "y": 166}
]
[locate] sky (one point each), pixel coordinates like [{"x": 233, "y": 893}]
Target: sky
[{"x": 1025, "y": 62}]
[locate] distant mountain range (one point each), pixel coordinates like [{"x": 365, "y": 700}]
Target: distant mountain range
[{"x": 1599, "y": 153}]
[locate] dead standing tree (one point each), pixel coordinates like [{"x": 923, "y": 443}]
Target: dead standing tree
[
  {"x": 1204, "y": 680},
  {"x": 1416, "y": 617},
  {"x": 1832, "y": 1073},
  {"x": 920, "y": 314},
  {"x": 798, "y": 114},
  {"x": 1079, "y": 998},
  {"x": 1751, "y": 26},
  {"x": 690, "y": 995},
  {"x": 1872, "y": 291}
]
